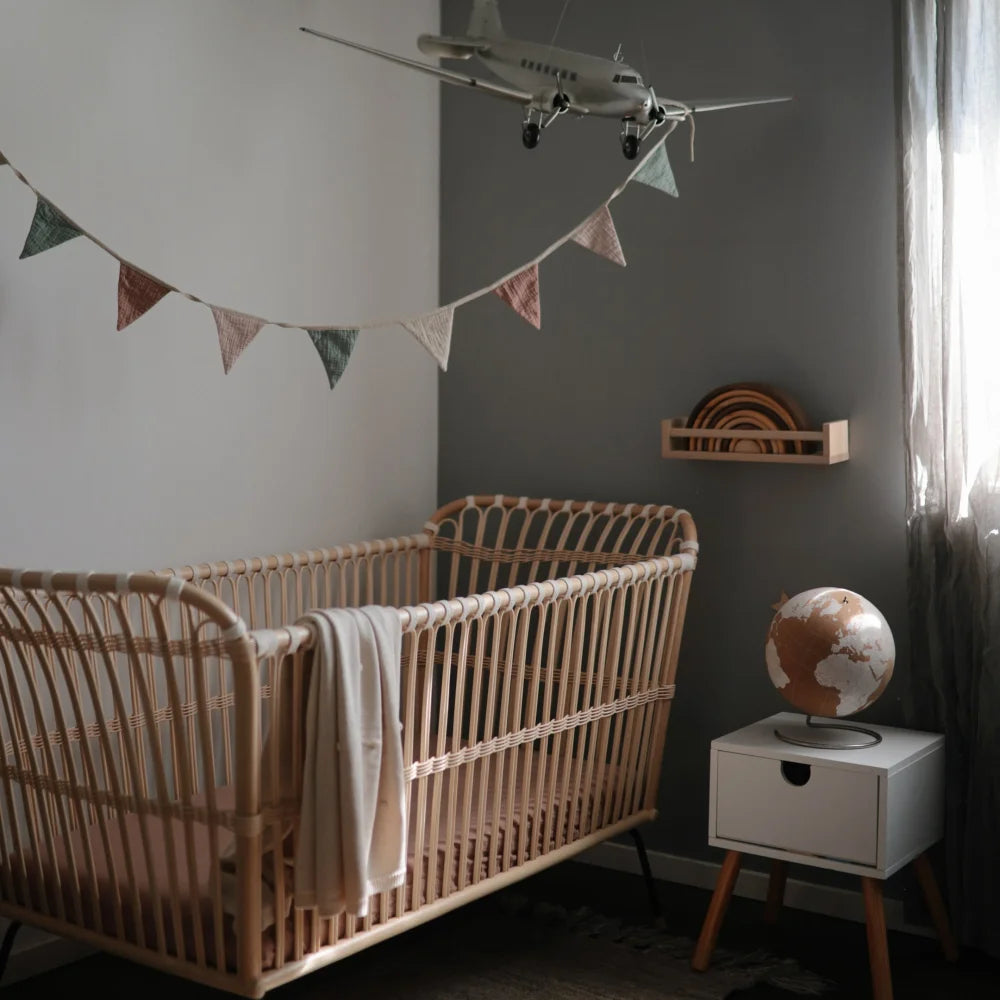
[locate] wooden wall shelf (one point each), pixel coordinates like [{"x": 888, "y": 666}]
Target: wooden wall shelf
[{"x": 832, "y": 440}]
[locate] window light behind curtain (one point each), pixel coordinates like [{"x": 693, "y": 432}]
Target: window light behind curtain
[
  {"x": 951, "y": 92},
  {"x": 950, "y": 107}
]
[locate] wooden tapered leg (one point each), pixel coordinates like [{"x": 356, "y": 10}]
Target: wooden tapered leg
[
  {"x": 775, "y": 891},
  {"x": 936, "y": 907},
  {"x": 716, "y": 911},
  {"x": 878, "y": 945}
]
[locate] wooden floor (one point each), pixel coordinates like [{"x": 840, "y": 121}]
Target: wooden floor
[{"x": 835, "y": 949}]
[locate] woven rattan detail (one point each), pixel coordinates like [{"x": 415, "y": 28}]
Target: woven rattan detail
[
  {"x": 510, "y": 740},
  {"x": 506, "y": 556},
  {"x": 88, "y": 642}
]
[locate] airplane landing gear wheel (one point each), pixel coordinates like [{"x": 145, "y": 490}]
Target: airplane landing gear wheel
[
  {"x": 630, "y": 146},
  {"x": 529, "y": 135}
]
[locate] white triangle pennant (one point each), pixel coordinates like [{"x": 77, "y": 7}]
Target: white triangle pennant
[
  {"x": 598, "y": 234},
  {"x": 236, "y": 330},
  {"x": 433, "y": 331}
]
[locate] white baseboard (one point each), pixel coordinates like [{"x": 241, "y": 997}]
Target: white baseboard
[{"x": 799, "y": 894}]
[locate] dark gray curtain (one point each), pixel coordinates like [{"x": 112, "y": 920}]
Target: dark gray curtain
[{"x": 951, "y": 353}]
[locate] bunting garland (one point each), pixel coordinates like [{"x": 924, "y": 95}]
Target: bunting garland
[
  {"x": 139, "y": 291},
  {"x": 335, "y": 348}
]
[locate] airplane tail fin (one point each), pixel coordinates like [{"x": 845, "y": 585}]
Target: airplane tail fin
[{"x": 484, "y": 21}]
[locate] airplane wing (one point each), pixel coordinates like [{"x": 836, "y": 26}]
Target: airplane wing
[
  {"x": 447, "y": 75},
  {"x": 717, "y": 104}
]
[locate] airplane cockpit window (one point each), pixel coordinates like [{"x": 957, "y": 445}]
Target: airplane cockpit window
[
  {"x": 629, "y": 79},
  {"x": 618, "y": 78}
]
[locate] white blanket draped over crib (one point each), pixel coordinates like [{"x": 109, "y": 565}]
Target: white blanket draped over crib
[{"x": 352, "y": 830}]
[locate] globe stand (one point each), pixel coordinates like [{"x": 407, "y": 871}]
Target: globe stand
[{"x": 835, "y": 742}]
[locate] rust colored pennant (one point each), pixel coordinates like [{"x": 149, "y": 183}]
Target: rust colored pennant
[{"x": 137, "y": 294}]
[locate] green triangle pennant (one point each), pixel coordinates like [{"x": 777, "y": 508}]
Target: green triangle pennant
[
  {"x": 49, "y": 228},
  {"x": 655, "y": 171},
  {"x": 335, "y": 348}
]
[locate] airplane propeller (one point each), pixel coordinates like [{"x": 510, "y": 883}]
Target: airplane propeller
[
  {"x": 656, "y": 111},
  {"x": 560, "y": 102}
]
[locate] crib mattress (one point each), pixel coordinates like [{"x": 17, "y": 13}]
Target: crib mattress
[{"x": 188, "y": 929}]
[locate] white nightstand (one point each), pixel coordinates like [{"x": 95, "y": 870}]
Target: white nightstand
[{"x": 868, "y": 812}]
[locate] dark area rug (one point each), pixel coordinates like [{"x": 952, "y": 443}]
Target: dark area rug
[{"x": 513, "y": 947}]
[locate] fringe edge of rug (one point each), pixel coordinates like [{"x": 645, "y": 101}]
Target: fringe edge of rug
[{"x": 743, "y": 969}]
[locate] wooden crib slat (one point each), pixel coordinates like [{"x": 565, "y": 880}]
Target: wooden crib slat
[
  {"x": 454, "y": 851},
  {"x": 585, "y": 696},
  {"x": 525, "y": 847},
  {"x": 182, "y": 768},
  {"x": 676, "y": 611},
  {"x": 516, "y": 821},
  {"x": 51, "y": 802},
  {"x": 596, "y": 695},
  {"x": 199, "y": 673},
  {"x": 84, "y": 660},
  {"x": 144, "y": 714},
  {"x": 639, "y": 668},
  {"x": 33, "y": 894},
  {"x": 482, "y": 627}
]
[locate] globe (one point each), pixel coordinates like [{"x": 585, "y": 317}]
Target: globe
[{"x": 830, "y": 652}]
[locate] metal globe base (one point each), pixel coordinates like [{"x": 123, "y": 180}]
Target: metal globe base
[{"x": 831, "y": 742}]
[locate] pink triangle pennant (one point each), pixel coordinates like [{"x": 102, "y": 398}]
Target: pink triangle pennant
[
  {"x": 522, "y": 295},
  {"x": 433, "y": 331},
  {"x": 598, "y": 233},
  {"x": 236, "y": 330},
  {"x": 137, "y": 294}
]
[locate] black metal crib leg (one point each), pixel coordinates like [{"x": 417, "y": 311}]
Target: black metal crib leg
[
  {"x": 647, "y": 874},
  {"x": 8, "y": 943}
]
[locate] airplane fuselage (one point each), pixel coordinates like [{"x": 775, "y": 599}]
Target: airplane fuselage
[{"x": 599, "y": 86}]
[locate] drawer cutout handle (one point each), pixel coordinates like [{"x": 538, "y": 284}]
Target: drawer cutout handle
[{"x": 795, "y": 773}]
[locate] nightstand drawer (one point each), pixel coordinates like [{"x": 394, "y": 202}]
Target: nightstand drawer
[{"x": 813, "y": 809}]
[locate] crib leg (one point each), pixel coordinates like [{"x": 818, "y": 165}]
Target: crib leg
[
  {"x": 647, "y": 874},
  {"x": 8, "y": 943}
]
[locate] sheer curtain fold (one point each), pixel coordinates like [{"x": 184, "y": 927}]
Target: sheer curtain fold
[{"x": 951, "y": 357}]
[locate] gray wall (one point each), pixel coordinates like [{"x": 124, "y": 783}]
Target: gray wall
[{"x": 777, "y": 263}]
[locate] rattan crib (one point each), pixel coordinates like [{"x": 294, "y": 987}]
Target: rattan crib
[{"x": 135, "y": 709}]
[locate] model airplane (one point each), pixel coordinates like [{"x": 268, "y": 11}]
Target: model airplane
[{"x": 550, "y": 82}]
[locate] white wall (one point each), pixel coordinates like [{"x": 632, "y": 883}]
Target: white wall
[{"x": 216, "y": 146}]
